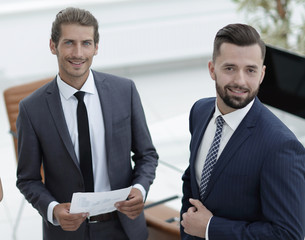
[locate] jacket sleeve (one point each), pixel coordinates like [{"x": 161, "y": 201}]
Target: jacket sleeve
[
  {"x": 144, "y": 155},
  {"x": 186, "y": 187},
  {"x": 29, "y": 179}
]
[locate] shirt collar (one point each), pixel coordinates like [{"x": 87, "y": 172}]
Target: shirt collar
[
  {"x": 68, "y": 91},
  {"x": 234, "y": 118}
]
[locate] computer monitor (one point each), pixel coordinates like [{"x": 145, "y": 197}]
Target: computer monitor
[{"x": 283, "y": 86}]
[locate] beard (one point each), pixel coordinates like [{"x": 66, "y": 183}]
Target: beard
[{"x": 235, "y": 102}]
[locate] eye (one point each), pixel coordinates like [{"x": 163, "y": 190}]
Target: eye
[
  {"x": 68, "y": 42},
  {"x": 229, "y": 69},
  {"x": 251, "y": 70},
  {"x": 87, "y": 43}
]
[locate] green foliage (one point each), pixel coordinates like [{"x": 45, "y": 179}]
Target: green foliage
[{"x": 281, "y": 23}]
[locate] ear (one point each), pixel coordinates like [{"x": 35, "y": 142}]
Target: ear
[
  {"x": 52, "y": 47},
  {"x": 96, "y": 49},
  {"x": 212, "y": 70},
  {"x": 262, "y": 74}
]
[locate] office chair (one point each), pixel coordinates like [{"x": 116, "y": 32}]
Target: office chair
[{"x": 12, "y": 97}]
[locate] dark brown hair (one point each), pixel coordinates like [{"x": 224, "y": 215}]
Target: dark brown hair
[
  {"x": 70, "y": 16},
  {"x": 238, "y": 34}
]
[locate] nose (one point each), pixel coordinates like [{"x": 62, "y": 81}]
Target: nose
[
  {"x": 240, "y": 78},
  {"x": 77, "y": 51}
]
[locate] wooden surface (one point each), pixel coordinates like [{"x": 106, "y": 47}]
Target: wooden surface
[{"x": 158, "y": 228}]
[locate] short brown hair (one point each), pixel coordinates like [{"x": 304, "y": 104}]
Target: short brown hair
[
  {"x": 73, "y": 15},
  {"x": 240, "y": 35}
]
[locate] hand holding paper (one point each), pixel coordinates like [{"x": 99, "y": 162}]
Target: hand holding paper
[
  {"x": 133, "y": 206},
  {"x": 98, "y": 202},
  {"x": 67, "y": 221}
]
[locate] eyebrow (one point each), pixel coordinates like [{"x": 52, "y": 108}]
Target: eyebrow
[
  {"x": 253, "y": 66},
  {"x": 72, "y": 40},
  {"x": 228, "y": 65},
  {"x": 234, "y": 65}
]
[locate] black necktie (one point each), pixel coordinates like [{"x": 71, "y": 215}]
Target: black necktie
[{"x": 85, "y": 157}]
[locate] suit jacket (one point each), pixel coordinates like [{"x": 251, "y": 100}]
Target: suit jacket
[
  {"x": 257, "y": 186},
  {"x": 43, "y": 138}
]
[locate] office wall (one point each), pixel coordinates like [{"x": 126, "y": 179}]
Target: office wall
[{"x": 133, "y": 32}]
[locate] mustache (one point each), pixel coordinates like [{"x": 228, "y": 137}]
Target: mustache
[
  {"x": 77, "y": 59},
  {"x": 237, "y": 87}
]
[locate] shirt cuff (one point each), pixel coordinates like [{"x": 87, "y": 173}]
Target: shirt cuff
[
  {"x": 141, "y": 188},
  {"x": 50, "y": 213},
  {"x": 207, "y": 230}
]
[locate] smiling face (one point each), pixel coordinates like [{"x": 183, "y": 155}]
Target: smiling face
[
  {"x": 238, "y": 72},
  {"x": 75, "y": 51}
]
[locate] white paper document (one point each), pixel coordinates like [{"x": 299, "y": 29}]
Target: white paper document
[{"x": 96, "y": 203}]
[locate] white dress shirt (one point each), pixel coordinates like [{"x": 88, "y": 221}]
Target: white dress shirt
[
  {"x": 232, "y": 121},
  {"x": 97, "y": 133}
]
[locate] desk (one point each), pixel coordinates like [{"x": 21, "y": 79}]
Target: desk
[{"x": 162, "y": 222}]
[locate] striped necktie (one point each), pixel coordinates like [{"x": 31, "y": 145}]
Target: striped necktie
[{"x": 211, "y": 157}]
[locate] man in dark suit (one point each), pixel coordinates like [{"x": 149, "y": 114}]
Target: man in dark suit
[
  {"x": 246, "y": 176},
  {"x": 49, "y": 135}
]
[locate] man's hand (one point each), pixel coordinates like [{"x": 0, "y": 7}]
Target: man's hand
[
  {"x": 133, "y": 206},
  {"x": 67, "y": 221},
  {"x": 196, "y": 219}
]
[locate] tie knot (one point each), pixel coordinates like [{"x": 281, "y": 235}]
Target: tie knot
[
  {"x": 219, "y": 121},
  {"x": 79, "y": 95}
]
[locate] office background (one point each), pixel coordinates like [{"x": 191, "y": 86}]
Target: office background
[{"x": 163, "y": 45}]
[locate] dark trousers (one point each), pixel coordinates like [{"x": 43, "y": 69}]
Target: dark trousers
[{"x": 108, "y": 230}]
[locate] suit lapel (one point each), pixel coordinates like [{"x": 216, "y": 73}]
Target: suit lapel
[
  {"x": 54, "y": 103},
  {"x": 103, "y": 89},
  {"x": 235, "y": 143},
  {"x": 226, "y": 156},
  {"x": 204, "y": 120}
]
